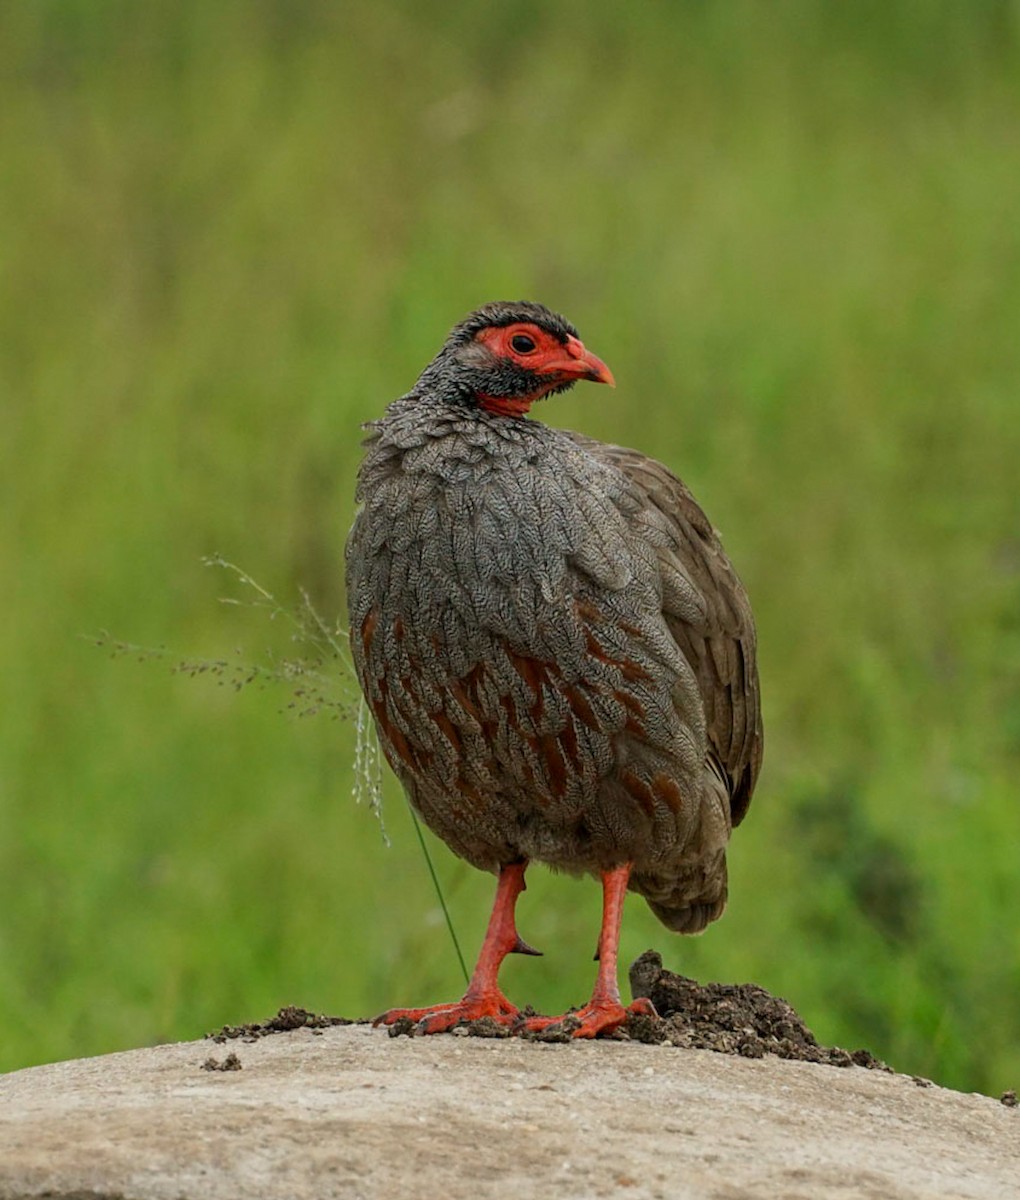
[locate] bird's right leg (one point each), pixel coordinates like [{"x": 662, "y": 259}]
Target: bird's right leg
[
  {"x": 604, "y": 1012},
  {"x": 483, "y": 997}
]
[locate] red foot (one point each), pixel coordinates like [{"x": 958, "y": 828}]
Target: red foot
[
  {"x": 602, "y": 1016},
  {"x": 441, "y": 1017}
]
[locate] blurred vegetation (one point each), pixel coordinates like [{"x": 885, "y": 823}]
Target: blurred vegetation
[{"x": 231, "y": 231}]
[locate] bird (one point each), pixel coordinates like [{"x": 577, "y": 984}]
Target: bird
[{"x": 558, "y": 656}]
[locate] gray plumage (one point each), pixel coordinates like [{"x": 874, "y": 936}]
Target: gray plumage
[{"x": 559, "y": 658}]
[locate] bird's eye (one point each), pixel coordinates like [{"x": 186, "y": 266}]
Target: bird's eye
[{"x": 522, "y": 343}]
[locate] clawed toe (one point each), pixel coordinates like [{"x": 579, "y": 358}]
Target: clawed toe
[
  {"x": 594, "y": 1019},
  {"x": 439, "y": 1018}
]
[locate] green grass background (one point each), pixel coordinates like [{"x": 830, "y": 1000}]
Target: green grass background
[{"x": 230, "y": 232}]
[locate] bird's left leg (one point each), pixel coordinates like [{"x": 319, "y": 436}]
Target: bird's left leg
[
  {"x": 604, "y": 1012},
  {"x": 483, "y": 997}
]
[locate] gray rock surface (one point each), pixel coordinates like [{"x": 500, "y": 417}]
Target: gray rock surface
[{"x": 352, "y": 1112}]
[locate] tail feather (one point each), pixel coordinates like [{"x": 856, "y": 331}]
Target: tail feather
[
  {"x": 689, "y": 902},
  {"x": 691, "y": 918}
]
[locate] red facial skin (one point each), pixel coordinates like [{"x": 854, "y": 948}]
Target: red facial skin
[{"x": 555, "y": 362}]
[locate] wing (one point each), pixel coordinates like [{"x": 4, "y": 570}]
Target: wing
[{"x": 717, "y": 637}]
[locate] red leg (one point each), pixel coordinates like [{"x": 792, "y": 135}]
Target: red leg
[
  {"x": 604, "y": 1012},
  {"x": 483, "y": 997}
]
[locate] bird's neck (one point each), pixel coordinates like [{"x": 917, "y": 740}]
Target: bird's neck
[{"x": 432, "y": 433}]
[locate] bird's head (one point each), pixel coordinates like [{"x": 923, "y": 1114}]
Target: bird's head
[{"x": 509, "y": 354}]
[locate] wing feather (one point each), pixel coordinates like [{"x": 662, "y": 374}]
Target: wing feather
[{"x": 707, "y": 612}]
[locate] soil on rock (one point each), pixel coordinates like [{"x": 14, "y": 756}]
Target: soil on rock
[
  {"x": 741, "y": 1019},
  {"x": 729, "y": 1018},
  {"x": 289, "y": 1017}
]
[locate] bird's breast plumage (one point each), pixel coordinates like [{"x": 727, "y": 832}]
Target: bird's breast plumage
[{"x": 508, "y": 630}]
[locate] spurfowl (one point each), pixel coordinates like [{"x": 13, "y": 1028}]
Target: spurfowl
[{"x": 559, "y": 658}]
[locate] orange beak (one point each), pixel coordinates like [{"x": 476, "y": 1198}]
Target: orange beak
[{"x": 578, "y": 363}]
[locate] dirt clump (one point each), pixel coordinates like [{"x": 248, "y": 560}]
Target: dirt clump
[
  {"x": 728, "y": 1018},
  {"x": 288, "y": 1018},
  {"x": 230, "y": 1063}
]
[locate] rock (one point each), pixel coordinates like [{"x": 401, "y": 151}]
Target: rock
[{"x": 352, "y": 1112}]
